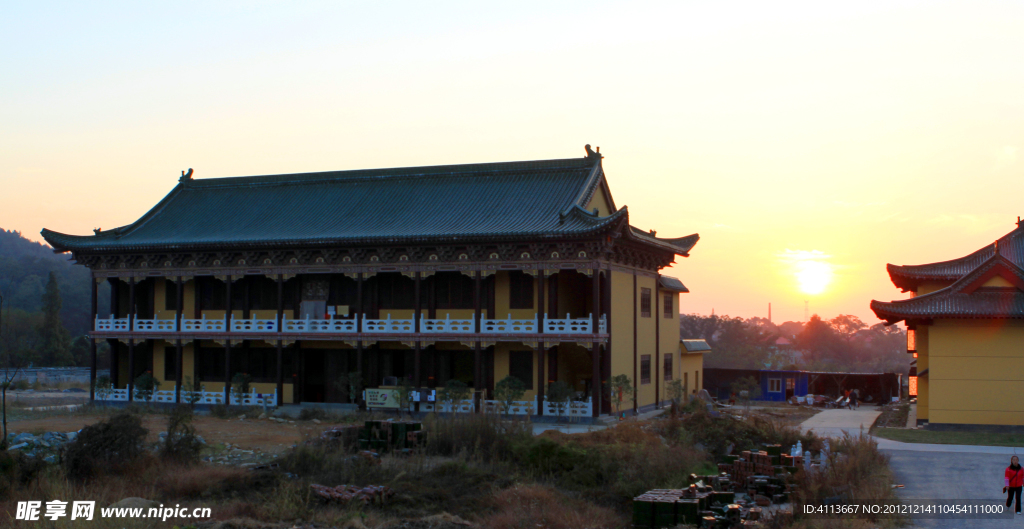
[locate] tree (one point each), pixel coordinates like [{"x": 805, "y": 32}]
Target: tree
[
  {"x": 350, "y": 384},
  {"x": 621, "y": 388},
  {"x": 17, "y": 342},
  {"x": 145, "y": 386},
  {"x": 452, "y": 392},
  {"x": 507, "y": 391},
  {"x": 559, "y": 394},
  {"x": 747, "y": 389},
  {"x": 55, "y": 350}
]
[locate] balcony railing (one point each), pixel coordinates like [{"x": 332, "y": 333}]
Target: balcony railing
[
  {"x": 327, "y": 326},
  {"x": 154, "y": 325},
  {"x": 111, "y": 324},
  {"x": 253, "y": 325},
  {"x": 388, "y": 325},
  {"x": 447, "y": 325},
  {"x": 203, "y": 325},
  {"x": 569, "y": 325},
  {"x": 509, "y": 325}
]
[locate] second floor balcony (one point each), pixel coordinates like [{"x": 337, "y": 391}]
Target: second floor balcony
[{"x": 362, "y": 325}]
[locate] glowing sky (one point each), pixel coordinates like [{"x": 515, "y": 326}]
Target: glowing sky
[{"x": 820, "y": 138}]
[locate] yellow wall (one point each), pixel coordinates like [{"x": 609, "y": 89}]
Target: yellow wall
[
  {"x": 502, "y": 295},
  {"x": 622, "y": 327},
  {"x": 693, "y": 366},
  {"x": 601, "y": 202},
  {"x": 669, "y": 342},
  {"x": 931, "y": 286},
  {"x": 976, "y": 375},
  {"x": 998, "y": 282},
  {"x": 646, "y": 339}
]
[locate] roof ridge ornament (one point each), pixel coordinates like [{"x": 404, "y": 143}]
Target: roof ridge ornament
[
  {"x": 186, "y": 178},
  {"x": 591, "y": 154}
]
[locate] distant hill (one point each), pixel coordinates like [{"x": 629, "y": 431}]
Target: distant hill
[{"x": 24, "y": 268}]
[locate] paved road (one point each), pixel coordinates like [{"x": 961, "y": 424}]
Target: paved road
[
  {"x": 833, "y": 423},
  {"x": 932, "y": 471}
]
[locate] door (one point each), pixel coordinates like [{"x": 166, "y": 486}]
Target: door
[{"x": 314, "y": 373}]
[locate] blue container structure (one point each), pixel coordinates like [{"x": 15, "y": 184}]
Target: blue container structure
[{"x": 778, "y": 386}]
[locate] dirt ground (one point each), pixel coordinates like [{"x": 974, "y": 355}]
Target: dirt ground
[{"x": 248, "y": 434}]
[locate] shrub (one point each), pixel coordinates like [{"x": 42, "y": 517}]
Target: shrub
[
  {"x": 20, "y": 384},
  {"x": 145, "y": 385},
  {"x": 507, "y": 391},
  {"x": 452, "y": 392},
  {"x": 110, "y": 446},
  {"x": 717, "y": 434},
  {"x": 181, "y": 443},
  {"x": 560, "y": 393},
  {"x": 17, "y": 471},
  {"x": 240, "y": 383},
  {"x": 484, "y": 435}
]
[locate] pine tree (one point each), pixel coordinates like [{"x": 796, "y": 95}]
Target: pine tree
[{"x": 53, "y": 335}]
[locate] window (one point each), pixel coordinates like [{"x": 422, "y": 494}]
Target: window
[
  {"x": 170, "y": 363},
  {"x": 453, "y": 290},
  {"x": 262, "y": 293},
  {"x": 645, "y": 369},
  {"x": 396, "y": 291},
  {"x": 774, "y": 385},
  {"x": 645, "y": 302},
  {"x": 520, "y": 290},
  {"x": 668, "y": 366},
  {"x": 669, "y": 310},
  {"x": 790, "y": 384},
  {"x": 214, "y": 293},
  {"x": 520, "y": 365},
  {"x": 911, "y": 341},
  {"x": 170, "y": 295}
]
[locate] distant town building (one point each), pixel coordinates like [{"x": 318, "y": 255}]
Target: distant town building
[
  {"x": 965, "y": 321},
  {"x": 425, "y": 274}
]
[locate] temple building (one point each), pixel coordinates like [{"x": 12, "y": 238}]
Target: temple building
[
  {"x": 965, "y": 321},
  {"x": 407, "y": 276}
]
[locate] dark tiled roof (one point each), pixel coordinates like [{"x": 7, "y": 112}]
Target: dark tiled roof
[
  {"x": 695, "y": 346},
  {"x": 907, "y": 277},
  {"x": 961, "y": 300},
  {"x": 671, "y": 283},
  {"x": 493, "y": 202}
]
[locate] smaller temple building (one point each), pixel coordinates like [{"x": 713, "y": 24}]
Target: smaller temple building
[{"x": 965, "y": 326}]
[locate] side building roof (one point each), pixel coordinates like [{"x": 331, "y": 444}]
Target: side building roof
[
  {"x": 439, "y": 204},
  {"x": 908, "y": 277}
]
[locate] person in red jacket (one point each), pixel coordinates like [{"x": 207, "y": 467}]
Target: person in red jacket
[{"x": 1013, "y": 480}]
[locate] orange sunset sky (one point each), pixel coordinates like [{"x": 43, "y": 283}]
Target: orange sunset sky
[{"x": 808, "y": 143}]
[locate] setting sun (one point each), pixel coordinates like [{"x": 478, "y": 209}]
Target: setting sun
[{"x": 811, "y": 269}]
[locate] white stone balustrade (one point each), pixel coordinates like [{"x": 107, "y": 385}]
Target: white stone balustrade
[
  {"x": 203, "y": 325},
  {"x": 201, "y": 397},
  {"x": 568, "y": 325},
  {"x": 153, "y": 325},
  {"x": 509, "y": 325},
  {"x": 326, "y": 326},
  {"x": 460, "y": 406},
  {"x": 572, "y": 408},
  {"x": 253, "y": 325},
  {"x": 447, "y": 325},
  {"x": 111, "y": 324},
  {"x": 388, "y": 325}
]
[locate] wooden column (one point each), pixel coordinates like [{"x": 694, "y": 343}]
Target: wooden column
[
  {"x": 93, "y": 303},
  {"x": 280, "y": 366},
  {"x": 131, "y": 370},
  {"x": 540, "y": 301},
  {"x": 417, "y": 381},
  {"x": 227, "y": 313},
  {"x": 179, "y": 378},
  {"x": 131, "y": 306},
  {"x": 227, "y": 365},
  {"x": 476, "y": 302},
  {"x": 359, "y": 367},
  {"x": 553, "y": 290},
  {"x": 656, "y": 313},
  {"x": 478, "y": 382},
  {"x": 636, "y": 381},
  {"x": 606, "y": 356},
  {"x": 280, "y": 322},
  {"x": 198, "y": 301},
  {"x": 359, "y": 306},
  {"x": 180, "y": 296},
  {"x": 595, "y": 348},
  {"x": 115, "y": 365},
  {"x": 541, "y": 379},
  {"x": 246, "y": 299},
  {"x": 416, "y": 307}
]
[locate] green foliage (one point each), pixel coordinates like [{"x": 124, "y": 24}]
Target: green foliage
[
  {"x": 181, "y": 443},
  {"x": 452, "y": 392},
  {"x": 350, "y": 384},
  {"x": 560, "y": 393},
  {"x": 507, "y": 391},
  {"x": 107, "y": 446},
  {"x": 55, "y": 344},
  {"x": 191, "y": 392},
  {"x": 26, "y": 266},
  {"x": 676, "y": 391},
  {"x": 145, "y": 385},
  {"x": 621, "y": 389},
  {"x": 102, "y": 386},
  {"x": 240, "y": 383}
]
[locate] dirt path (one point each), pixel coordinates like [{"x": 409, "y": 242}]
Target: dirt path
[{"x": 268, "y": 436}]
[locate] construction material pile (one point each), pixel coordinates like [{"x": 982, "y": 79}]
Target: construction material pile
[
  {"x": 374, "y": 494},
  {"x": 762, "y": 472},
  {"x": 382, "y": 436},
  {"x": 700, "y": 505}
]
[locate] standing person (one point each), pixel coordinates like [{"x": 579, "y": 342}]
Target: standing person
[
  {"x": 854, "y": 397},
  {"x": 1013, "y": 480}
]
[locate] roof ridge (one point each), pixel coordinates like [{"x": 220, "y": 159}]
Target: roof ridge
[{"x": 392, "y": 172}]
